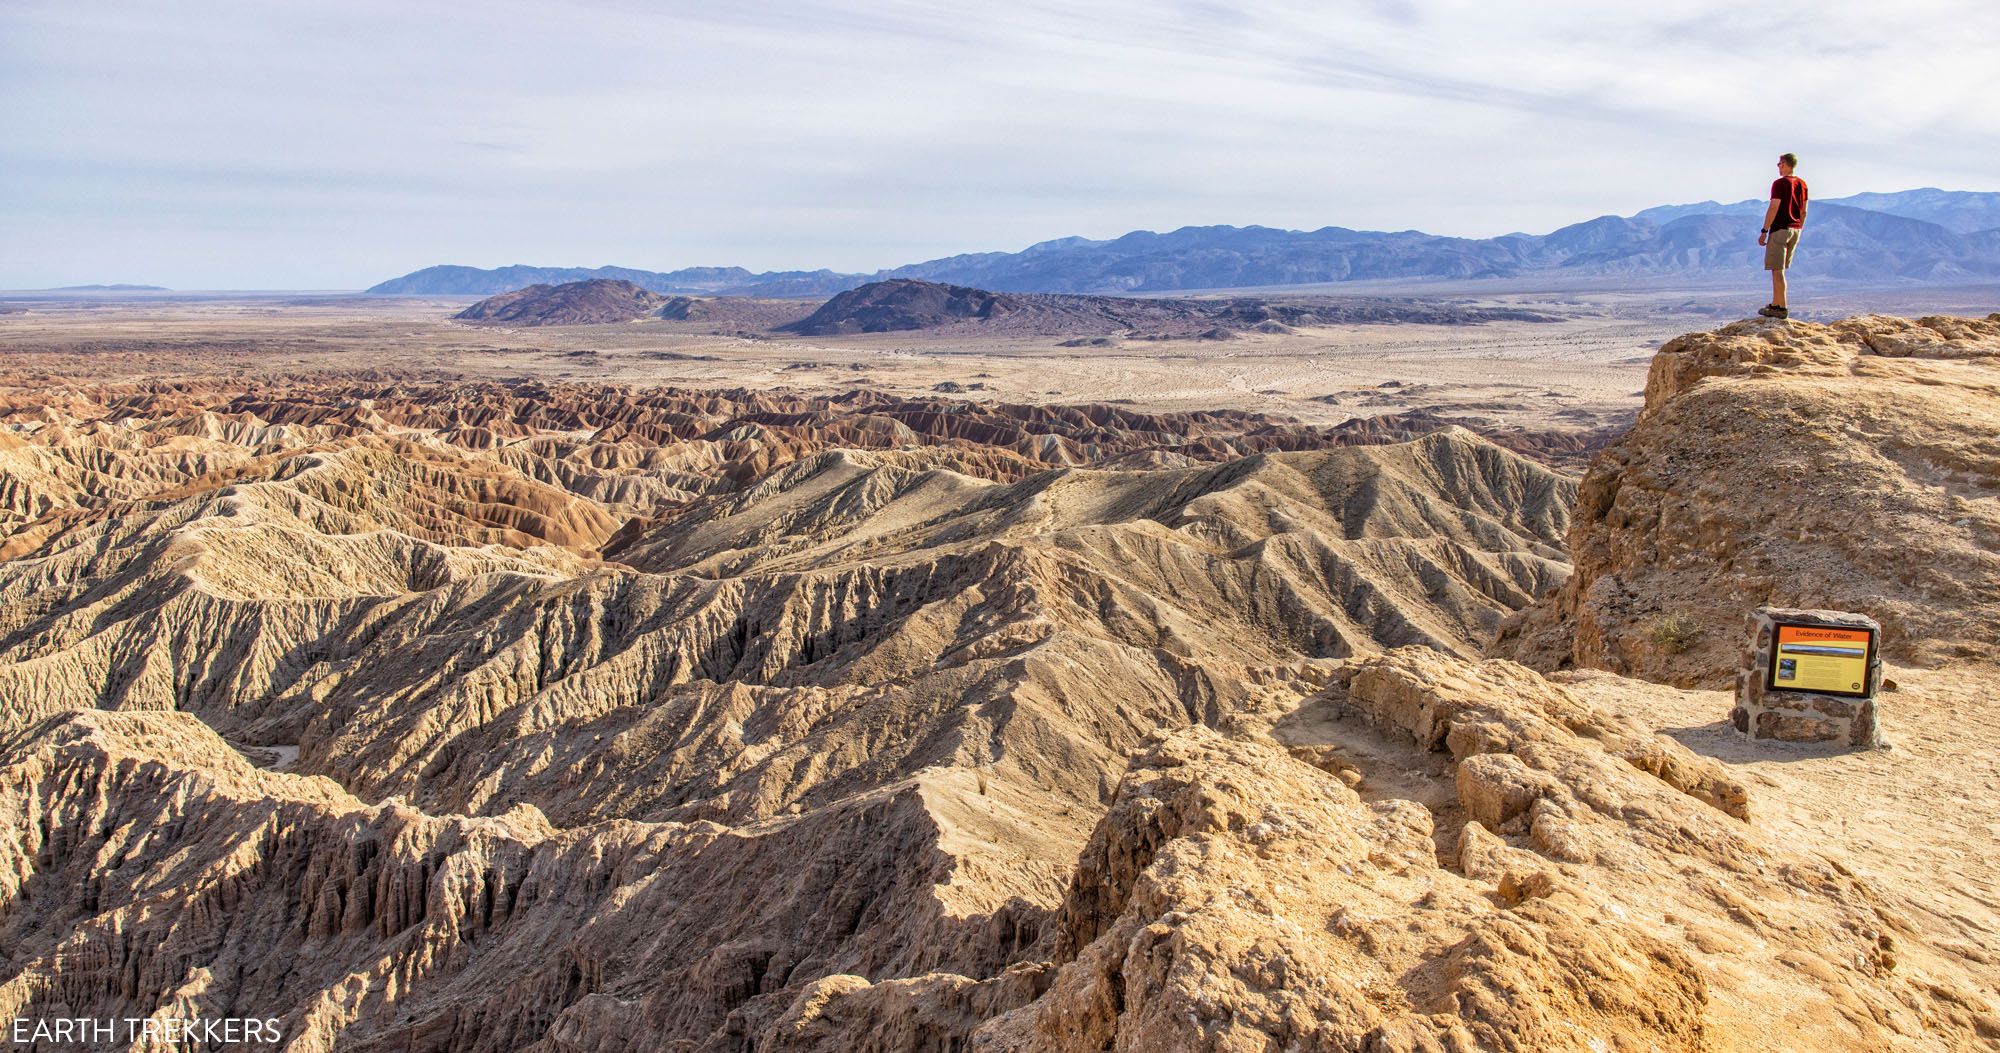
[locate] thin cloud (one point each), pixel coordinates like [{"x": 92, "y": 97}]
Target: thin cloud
[{"x": 321, "y": 144}]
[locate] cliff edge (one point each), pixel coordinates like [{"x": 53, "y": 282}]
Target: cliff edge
[{"x": 1853, "y": 466}]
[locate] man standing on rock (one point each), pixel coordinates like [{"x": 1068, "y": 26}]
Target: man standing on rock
[{"x": 1780, "y": 236}]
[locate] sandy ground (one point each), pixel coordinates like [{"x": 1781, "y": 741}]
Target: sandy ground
[{"x": 1920, "y": 819}]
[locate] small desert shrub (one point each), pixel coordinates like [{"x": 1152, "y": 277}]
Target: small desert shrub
[{"x": 1675, "y": 632}]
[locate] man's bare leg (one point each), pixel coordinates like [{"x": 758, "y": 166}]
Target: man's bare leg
[{"x": 1778, "y": 288}]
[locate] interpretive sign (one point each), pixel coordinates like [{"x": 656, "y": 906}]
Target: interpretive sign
[
  {"x": 1810, "y": 676},
  {"x": 1830, "y": 659}
]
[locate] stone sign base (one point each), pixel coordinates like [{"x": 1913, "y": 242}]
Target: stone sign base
[{"x": 1804, "y": 716}]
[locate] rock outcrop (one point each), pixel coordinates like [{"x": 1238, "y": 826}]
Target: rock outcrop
[
  {"x": 1853, "y": 466},
  {"x": 1558, "y": 880},
  {"x": 1454, "y": 855}
]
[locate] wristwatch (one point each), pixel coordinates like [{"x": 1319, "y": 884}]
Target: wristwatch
[{"x": 1763, "y": 230}]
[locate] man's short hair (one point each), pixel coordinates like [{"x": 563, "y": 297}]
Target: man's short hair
[{"x": 1791, "y": 160}]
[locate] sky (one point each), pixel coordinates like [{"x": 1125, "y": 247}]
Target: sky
[{"x": 330, "y": 145}]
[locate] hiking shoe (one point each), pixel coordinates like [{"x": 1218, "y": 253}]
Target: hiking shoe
[{"x": 1774, "y": 311}]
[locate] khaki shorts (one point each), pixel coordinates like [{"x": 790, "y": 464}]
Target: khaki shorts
[{"x": 1778, "y": 248}]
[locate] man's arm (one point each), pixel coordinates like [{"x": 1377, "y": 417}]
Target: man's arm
[{"x": 1770, "y": 214}]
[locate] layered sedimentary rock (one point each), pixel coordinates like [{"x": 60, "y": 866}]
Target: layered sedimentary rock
[
  {"x": 1853, "y": 466},
  {"x": 65, "y": 447},
  {"x": 604, "y": 711},
  {"x": 310, "y": 608},
  {"x": 154, "y": 871}
]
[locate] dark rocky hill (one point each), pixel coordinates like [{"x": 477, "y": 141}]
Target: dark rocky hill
[
  {"x": 593, "y": 302},
  {"x": 902, "y": 303},
  {"x": 906, "y": 304}
]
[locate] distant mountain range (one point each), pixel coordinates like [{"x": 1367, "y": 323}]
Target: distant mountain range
[{"x": 1929, "y": 235}]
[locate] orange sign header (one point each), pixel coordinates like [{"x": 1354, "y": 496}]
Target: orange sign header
[{"x": 1821, "y": 634}]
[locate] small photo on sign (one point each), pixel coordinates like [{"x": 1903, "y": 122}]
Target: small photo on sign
[{"x": 1788, "y": 669}]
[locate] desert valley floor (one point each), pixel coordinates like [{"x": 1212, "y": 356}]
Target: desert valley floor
[
  {"x": 683, "y": 686},
  {"x": 1588, "y": 363}
]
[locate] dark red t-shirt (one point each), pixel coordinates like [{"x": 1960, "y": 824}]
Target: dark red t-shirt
[{"x": 1790, "y": 194}]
